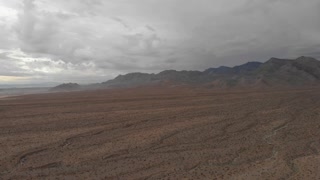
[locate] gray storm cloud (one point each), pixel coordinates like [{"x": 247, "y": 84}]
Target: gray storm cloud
[{"x": 82, "y": 40}]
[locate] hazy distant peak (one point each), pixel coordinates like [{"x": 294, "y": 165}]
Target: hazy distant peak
[
  {"x": 167, "y": 72},
  {"x": 306, "y": 59},
  {"x": 244, "y": 68},
  {"x": 134, "y": 74},
  {"x": 277, "y": 60},
  {"x": 66, "y": 87},
  {"x": 219, "y": 70},
  {"x": 251, "y": 63},
  {"x": 247, "y": 67}
]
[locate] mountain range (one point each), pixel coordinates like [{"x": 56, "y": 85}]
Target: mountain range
[{"x": 273, "y": 73}]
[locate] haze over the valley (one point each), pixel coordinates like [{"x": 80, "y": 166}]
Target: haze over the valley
[{"x": 90, "y": 41}]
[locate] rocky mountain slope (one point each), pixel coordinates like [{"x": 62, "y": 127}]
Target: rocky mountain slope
[{"x": 274, "y": 72}]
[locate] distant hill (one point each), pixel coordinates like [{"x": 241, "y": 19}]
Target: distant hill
[
  {"x": 274, "y": 72},
  {"x": 66, "y": 87}
]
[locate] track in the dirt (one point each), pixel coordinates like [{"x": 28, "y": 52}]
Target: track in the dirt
[{"x": 161, "y": 134}]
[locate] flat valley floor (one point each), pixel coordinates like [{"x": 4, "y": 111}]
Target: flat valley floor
[{"x": 161, "y": 133}]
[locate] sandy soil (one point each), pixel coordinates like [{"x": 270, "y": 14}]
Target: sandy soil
[{"x": 161, "y": 134}]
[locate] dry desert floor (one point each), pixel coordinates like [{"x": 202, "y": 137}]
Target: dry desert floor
[{"x": 154, "y": 133}]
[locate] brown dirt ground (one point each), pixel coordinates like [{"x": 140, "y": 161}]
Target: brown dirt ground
[{"x": 163, "y": 133}]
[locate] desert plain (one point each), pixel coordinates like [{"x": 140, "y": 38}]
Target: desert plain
[{"x": 162, "y": 133}]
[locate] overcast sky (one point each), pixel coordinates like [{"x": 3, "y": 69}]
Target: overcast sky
[{"x": 94, "y": 40}]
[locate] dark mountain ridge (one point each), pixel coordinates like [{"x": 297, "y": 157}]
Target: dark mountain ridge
[{"x": 273, "y": 73}]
